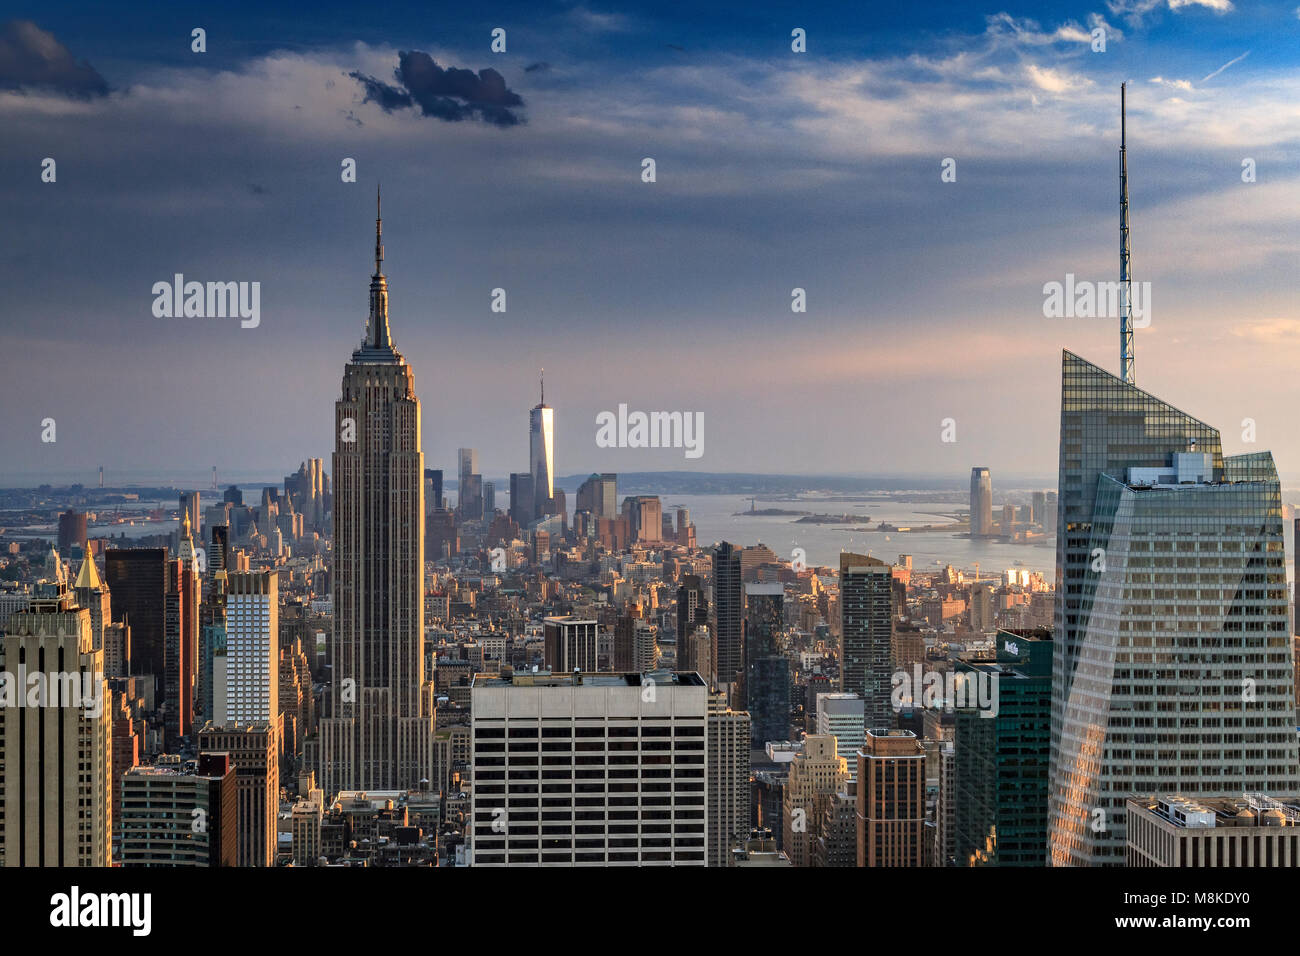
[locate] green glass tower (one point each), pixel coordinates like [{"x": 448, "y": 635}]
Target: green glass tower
[{"x": 1002, "y": 760}]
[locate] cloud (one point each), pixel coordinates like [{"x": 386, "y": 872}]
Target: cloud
[
  {"x": 1055, "y": 81},
  {"x": 387, "y": 97},
  {"x": 1135, "y": 11},
  {"x": 451, "y": 94},
  {"x": 456, "y": 94},
  {"x": 1004, "y": 27},
  {"x": 31, "y": 58}
]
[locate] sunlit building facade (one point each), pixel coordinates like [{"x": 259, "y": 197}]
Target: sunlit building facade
[
  {"x": 1172, "y": 669},
  {"x": 379, "y": 733}
]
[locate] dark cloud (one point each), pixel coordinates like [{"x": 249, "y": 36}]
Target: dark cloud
[
  {"x": 388, "y": 97},
  {"x": 535, "y": 67},
  {"x": 452, "y": 94},
  {"x": 31, "y": 58}
]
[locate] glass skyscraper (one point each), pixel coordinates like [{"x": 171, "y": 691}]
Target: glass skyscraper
[
  {"x": 1002, "y": 760},
  {"x": 767, "y": 669},
  {"x": 981, "y": 502},
  {"x": 1172, "y": 669},
  {"x": 541, "y": 456},
  {"x": 866, "y": 633},
  {"x": 728, "y": 616}
]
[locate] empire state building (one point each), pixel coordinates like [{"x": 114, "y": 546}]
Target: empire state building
[{"x": 379, "y": 732}]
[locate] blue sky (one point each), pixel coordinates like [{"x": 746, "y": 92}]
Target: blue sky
[{"x": 775, "y": 170}]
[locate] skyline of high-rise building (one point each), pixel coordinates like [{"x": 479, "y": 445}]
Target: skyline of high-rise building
[{"x": 823, "y": 639}]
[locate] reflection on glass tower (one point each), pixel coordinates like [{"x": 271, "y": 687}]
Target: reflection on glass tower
[
  {"x": 541, "y": 455},
  {"x": 1173, "y": 667}
]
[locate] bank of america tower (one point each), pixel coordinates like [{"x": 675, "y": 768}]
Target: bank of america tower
[{"x": 1172, "y": 658}]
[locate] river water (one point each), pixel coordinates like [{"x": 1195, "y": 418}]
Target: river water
[{"x": 715, "y": 519}]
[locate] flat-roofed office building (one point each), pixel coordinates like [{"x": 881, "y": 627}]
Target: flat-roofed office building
[
  {"x": 728, "y": 769},
  {"x": 255, "y": 751},
  {"x": 589, "y": 769},
  {"x": 1250, "y": 830},
  {"x": 891, "y": 799},
  {"x": 55, "y": 737},
  {"x": 180, "y": 817}
]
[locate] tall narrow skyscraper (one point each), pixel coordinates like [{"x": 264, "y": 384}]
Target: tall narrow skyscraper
[
  {"x": 866, "y": 634},
  {"x": 379, "y": 734},
  {"x": 692, "y": 613},
  {"x": 767, "y": 669},
  {"x": 137, "y": 581},
  {"x": 251, "y": 691},
  {"x": 541, "y": 455},
  {"x": 469, "y": 487},
  {"x": 728, "y": 617},
  {"x": 981, "y": 502},
  {"x": 521, "y": 499},
  {"x": 1172, "y": 666}
]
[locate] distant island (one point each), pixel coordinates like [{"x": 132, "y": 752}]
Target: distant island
[
  {"x": 831, "y": 519},
  {"x": 770, "y": 513}
]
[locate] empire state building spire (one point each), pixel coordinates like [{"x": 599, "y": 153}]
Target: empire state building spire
[{"x": 378, "y": 335}]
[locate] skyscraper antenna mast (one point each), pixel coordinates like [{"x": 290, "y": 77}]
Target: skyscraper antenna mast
[
  {"x": 1125, "y": 274},
  {"x": 379, "y": 233}
]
